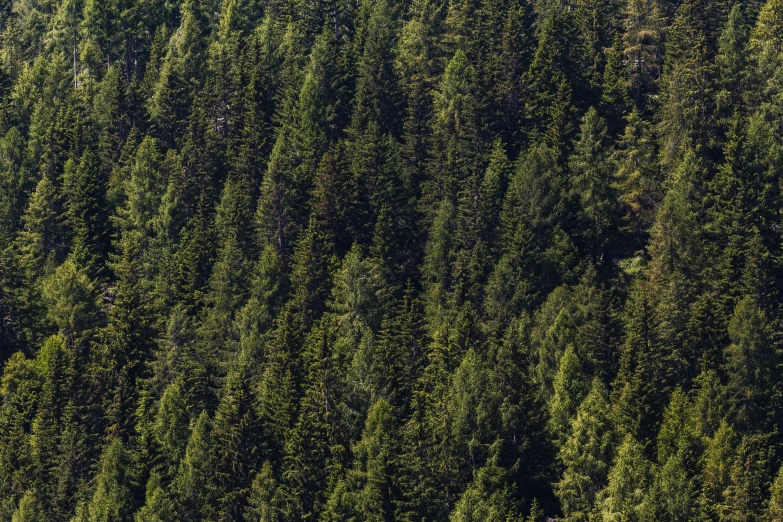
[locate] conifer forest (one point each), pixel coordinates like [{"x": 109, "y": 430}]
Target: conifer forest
[{"x": 391, "y": 260}]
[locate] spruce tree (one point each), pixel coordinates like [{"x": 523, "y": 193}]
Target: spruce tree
[
  {"x": 488, "y": 497},
  {"x": 586, "y": 456},
  {"x": 774, "y": 509},
  {"x": 625, "y": 496},
  {"x": 592, "y": 185},
  {"x": 113, "y": 498},
  {"x": 569, "y": 390},
  {"x": 748, "y": 480},
  {"x": 71, "y": 300},
  {"x": 716, "y": 470},
  {"x": 367, "y": 491},
  {"x": 748, "y": 361},
  {"x": 457, "y": 143},
  {"x": 194, "y": 494},
  {"x": 84, "y": 188}
]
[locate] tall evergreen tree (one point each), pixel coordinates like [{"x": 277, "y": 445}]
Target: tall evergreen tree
[
  {"x": 592, "y": 184},
  {"x": 586, "y": 456}
]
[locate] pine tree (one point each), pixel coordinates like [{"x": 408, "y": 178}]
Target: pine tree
[
  {"x": 638, "y": 181},
  {"x": 357, "y": 300},
  {"x": 764, "y": 48},
  {"x": 157, "y": 506},
  {"x": 570, "y": 387},
  {"x": 554, "y": 76},
  {"x": 113, "y": 103},
  {"x": 592, "y": 185},
  {"x": 625, "y": 496},
  {"x": 275, "y": 388},
  {"x": 142, "y": 189},
  {"x": 267, "y": 293},
  {"x": 30, "y": 509},
  {"x": 688, "y": 89},
  {"x": 645, "y": 23},
  {"x": 260, "y": 61},
  {"x": 488, "y": 498},
  {"x": 74, "y": 460},
  {"x": 774, "y": 511},
  {"x": 297, "y": 151},
  {"x": 478, "y": 216},
  {"x": 71, "y": 300},
  {"x": 515, "y": 57},
  {"x": 227, "y": 287},
  {"x": 531, "y": 210},
  {"x": 20, "y": 388},
  {"x": 615, "y": 98},
  {"x": 428, "y": 466},
  {"x": 419, "y": 62},
  {"x": 679, "y": 450},
  {"x": 473, "y": 405},
  {"x": 17, "y": 181},
  {"x": 715, "y": 472},
  {"x": 226, "y": 76},
  {"x": 440, "y": 253},
  {"x": 708, "y": 402},
  {"x": 236, "y": 425},
  {"x": 39, "y": 249},
  {"x": 675, "y": 243},
  {"x": 55, "y": 366},
  {"x": 586, "y": 456},
  {"x": 194, "y": 496},
  {"x": 367, "y": 490},
  {"x": 181, "y": 73},
  {"x": 732, "y": 63},
  {"x": 171, "y": 425},
  {"x": 748, "y": 360},
  {"x": 377, "y": 95},
  {"x": 99, "y": 28},
  {"x": 568, "y": 317},
  {"x": 113, "y": 498},
  {"x": 262, "y": 499},
  {"x": 748, "y": 480},
  {"x": 127, "y": 342},
  {"x": 739, "y": 211},
  {"x": 457, "y": 143},
  {"x": 313, "y": 444},
  {"x": 598, "y": 24},
  {"x": 85, "y": 192},
  {"x": 194, "y": 256}
]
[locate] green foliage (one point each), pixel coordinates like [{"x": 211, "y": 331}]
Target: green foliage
[
  {"x": 748, "y": 480},
  {"x": 569, "y": 388},
  {"x": 171, "y": 427},
  {"x": 591, "y": 183},
  {"x": 113, "y": 497},
  {"x": 193, "y": 491},
  {"x": 84, "y": 191},
  {"x": 625, "y": 496},
  {"x": 748, "y": 360},
  {"x": 586, "y": 455},
  {"x": 71, "y": 301},
  {"x": 487, "y": 498},
  {"x": 390, "y": 261},
  {"x": 775, "y": 508}
]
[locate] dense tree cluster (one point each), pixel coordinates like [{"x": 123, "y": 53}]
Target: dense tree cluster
[{"x": 468, "y": 260}]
